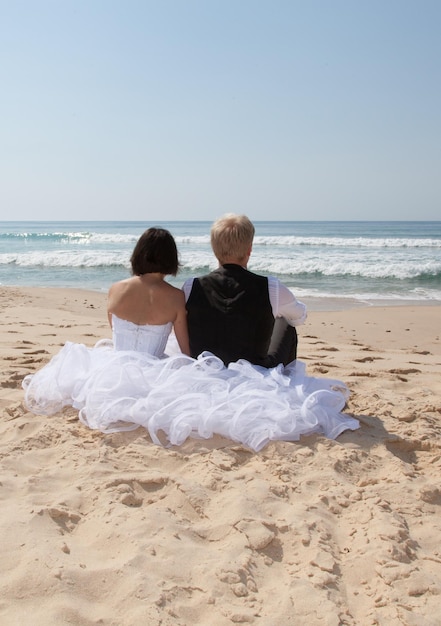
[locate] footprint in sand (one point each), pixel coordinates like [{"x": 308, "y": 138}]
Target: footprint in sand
[
  {"x": 328, "y": 365},
  {"x": 410, "y": 370},
  {"x": 13, "y": 382},
  {"x": 367, "y": 374},
  {"x": 65, "y": 520},
  {"x": 134, "y": 491},
  {"x": 15, "y": 411},
  {"x": 36, "y": 352},
  {"x": 31, "y": 361}
]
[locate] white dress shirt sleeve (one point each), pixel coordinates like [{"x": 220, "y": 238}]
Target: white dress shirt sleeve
[
  {"x": 284, "y": 303},
  {"x": 186, "y": 287}
]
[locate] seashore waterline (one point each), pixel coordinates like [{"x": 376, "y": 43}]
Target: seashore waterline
[{"x": 328, "y": 265}]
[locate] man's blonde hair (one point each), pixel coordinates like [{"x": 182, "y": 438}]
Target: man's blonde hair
[{"x": 231, "y": 237}]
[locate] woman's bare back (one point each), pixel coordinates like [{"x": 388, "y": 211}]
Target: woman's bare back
[{"x": 148, "y": 299}]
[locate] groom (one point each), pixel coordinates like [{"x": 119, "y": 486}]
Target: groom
[{"x": 236, "y": 314}]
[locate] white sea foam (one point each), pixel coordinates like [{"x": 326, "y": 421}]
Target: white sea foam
[
  {"x": 370, "y": 260},
  {"x": 340, "y": 242},
  {"x": 85, "y": 237},
  {"x": 298, "y": 265},
  {"x": 65, "y": 258}
]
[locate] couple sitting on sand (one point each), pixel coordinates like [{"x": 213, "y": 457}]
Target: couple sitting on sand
[
  {"x": 236, "y": 373},
  {"x": 230, "y": 312}
]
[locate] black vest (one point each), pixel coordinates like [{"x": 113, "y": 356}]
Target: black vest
[{"x": 229, "y": 314}]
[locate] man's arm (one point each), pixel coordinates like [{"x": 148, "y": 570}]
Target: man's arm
[
  {"x": 186, "y": 287},
  {"x": 285, "y": 304}
]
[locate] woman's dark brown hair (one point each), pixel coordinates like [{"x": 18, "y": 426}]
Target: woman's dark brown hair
[{"x": 155, "y": 251}]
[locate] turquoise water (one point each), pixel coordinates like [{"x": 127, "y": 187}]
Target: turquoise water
[{"x": 393, "y": 261}]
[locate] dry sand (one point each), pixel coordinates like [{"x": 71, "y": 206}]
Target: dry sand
[{"x": 113, "y": 530}]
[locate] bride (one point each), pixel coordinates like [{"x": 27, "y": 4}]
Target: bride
[{"x": 142, "y": 378}]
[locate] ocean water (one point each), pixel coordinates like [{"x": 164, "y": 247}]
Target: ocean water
[{"x": 361, "y": 262}]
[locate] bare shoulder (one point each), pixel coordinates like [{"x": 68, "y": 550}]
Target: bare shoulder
[
  {"x": 120, "y": 288},
  {"x": 175, "y": 293}
]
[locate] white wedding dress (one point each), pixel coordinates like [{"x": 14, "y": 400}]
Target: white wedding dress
[{"x": 130, "y": 382}]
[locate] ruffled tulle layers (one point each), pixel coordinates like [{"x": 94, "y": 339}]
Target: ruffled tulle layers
[{"x": 183, "y": 397}]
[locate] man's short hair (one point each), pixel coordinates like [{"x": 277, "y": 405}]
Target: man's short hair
[{"x": 231, "y": 236}]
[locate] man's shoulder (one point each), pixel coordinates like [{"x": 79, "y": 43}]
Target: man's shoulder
[{"x": 257, "y": 277}]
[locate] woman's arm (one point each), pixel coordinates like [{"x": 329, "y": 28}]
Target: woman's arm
[
  {"x": 109, "y": 304},
  {"x": 180, "y": 326}
]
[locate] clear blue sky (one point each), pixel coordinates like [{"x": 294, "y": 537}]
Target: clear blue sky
[{"x": 186, "y": 109}]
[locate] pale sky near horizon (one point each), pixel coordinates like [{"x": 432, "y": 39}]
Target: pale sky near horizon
[{"x": 187, "y": 109}]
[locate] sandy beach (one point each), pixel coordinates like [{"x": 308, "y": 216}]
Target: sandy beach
[{"x": 113, "y": 530}]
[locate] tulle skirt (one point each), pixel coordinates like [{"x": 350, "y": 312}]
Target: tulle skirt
[{"x": 185, "y": 397}]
